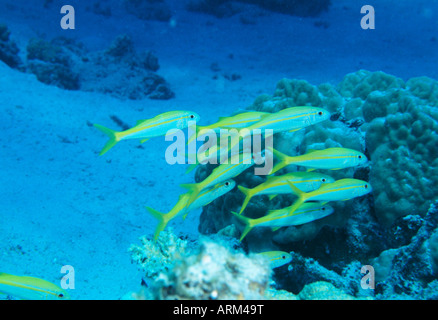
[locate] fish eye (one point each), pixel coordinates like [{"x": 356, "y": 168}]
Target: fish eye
[
  {"x": 323, "y": 179},
  {"x": 323, "y": 208},
  {"x": 192, "y": 116},
  {"x": 227, "y": 183},
  {"x": 359, "y": 156},
  {"x": 366, "y": 186},
  {"x": 320, "y": 113},
  {"x": 60, "y": 295},
  {"x": 283, "y": 257}
]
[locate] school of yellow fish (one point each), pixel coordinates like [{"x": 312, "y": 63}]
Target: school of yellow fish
[{"x": 312, "y": 190}]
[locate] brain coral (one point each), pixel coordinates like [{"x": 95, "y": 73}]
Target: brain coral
[{"x": 402, "y": 138}]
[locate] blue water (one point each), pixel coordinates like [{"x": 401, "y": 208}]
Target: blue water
[{"x": 62, "y": 204}]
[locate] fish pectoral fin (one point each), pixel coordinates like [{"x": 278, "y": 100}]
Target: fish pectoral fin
[
  {"x": 293, "y": 130},
  {"x": 144, "y": 140},
  {"x": 275, "y": 229},
  {"x": 272, "y": 196},
  {"x": 310, "y": 169}
]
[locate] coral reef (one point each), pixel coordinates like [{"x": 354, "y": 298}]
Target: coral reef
[
  {"x": 51, "y": 64},
  {"x": 226, "y": 8},
  {"x": 106, "y": 72},
  {"x": 157, "y": 257},
  {"x": 379, "y": 115},
  {"x": 211, "y": 271},
  {"x": 411, "y": 270},
  {"x": 68, "y": 65},
  {"x": 8, "y": 48},
  {"x": 395, "y": 124}
]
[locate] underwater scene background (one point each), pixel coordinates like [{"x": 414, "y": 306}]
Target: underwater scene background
[{"x": 73, "y": 217}]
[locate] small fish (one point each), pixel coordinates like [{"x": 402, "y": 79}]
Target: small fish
[
  {"x": 275, "y": 219},
  {"x": 149, "y": 128},
  {"x": 291, "y": 119},
  {"x": 331, "y": 158},
  {"x": 31, "y": 288},
  {"x": 276, "y": 258},
  {"x": 274, "y": 185},
  {"x": 180, "y": 208},
  {"x": 235, "y": 166},
  {"x": 240, "y": 120},
  {"x": 343, "y": 189}
]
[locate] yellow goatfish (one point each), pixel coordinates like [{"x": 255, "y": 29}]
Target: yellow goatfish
[
  {"x": 275, "y": 219},
  {"x": 274, "y": 185},
  {"x": 204, "y": 198},
  {"x": 149, "y": 128},
  {"x": 30, "y": 288},
  {"x": 291, "y": 119},
  {"x": 331, "y": 159},
  {"x": 343, "y": 189},
  {"x": 276, "y": 258},
  {"x": 240, "y": 120},
  {"x": 234, "y": 166}
]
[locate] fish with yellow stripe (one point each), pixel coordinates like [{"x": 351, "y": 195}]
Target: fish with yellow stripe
[
  {"x": 274, "y": 185},
  {"x": 291, "y": 119},
  {"x": 276, "y": 258},
  {"x": 331, "y": 158},
  {"x": 340, "y": 190},
  {"x": 30, "y": 288},
  {"x": 180, "y": 208},
  {"x": 237, "y": 121},
  {"x": 275, "y": 219},
  {"x": 234, "y": 166},
  {"x": 157, "y": 126}
]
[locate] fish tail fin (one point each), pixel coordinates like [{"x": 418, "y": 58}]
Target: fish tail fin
[
  {"x": 191, "y": 167},
  {"x": 194, "y": 189},
  {"x": 283, "y": 160},
  {"x": 112, "y": 134},
  {"x": 301, "y": 198},
  {"x": 249, "y": 224},
  {"x": 162, "y": 221},
  {"x": 248, "y": 195}
]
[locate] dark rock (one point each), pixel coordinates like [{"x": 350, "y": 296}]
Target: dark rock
[
  {"x": 55, "y": 74},
  {"x": 45, "y": 51},
  {"x": 8, "y": 49},
  {"x": 121, "y": 47}
]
